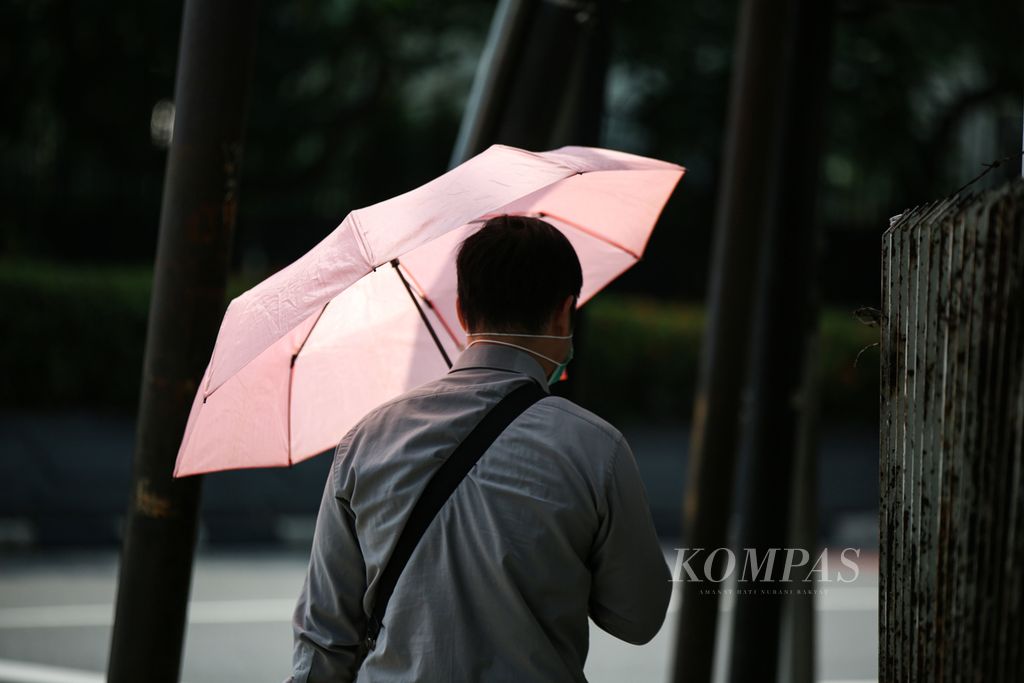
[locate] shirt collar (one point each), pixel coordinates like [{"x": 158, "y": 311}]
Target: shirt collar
[{"x": 498, "y": 357}]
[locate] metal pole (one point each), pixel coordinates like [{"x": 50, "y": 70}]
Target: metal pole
[
  {"x": 540, "y": 83},
  {"x": 551, "y": 97},
  {"x": 798, "y": 616},
  {"x": 196, "y": 224},
  {"x": 501, "y": 50},
  {"x": 753, "y": 126},
  {"x": 787, "y": 319}
]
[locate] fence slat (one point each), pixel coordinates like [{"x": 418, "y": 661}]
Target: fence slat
[{"x": 951, "y": 466}]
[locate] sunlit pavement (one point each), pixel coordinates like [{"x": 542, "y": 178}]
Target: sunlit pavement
[{"x": 56, "y": 612}]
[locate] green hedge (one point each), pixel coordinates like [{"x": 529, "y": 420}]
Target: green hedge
[
  {"x": 71, "y": 337},
  {"x": 74, "y": 337},
  {"x": 637, "y": 354}
]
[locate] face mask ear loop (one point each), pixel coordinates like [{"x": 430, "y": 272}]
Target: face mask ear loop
[
  {"x": 514, "y": 346},
  {"x": 520, "y": 334}
]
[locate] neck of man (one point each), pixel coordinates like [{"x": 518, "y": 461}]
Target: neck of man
[{"x": 552, "y": 348}]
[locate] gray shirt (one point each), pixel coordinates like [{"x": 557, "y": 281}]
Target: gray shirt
[{"x": 550, "y": 526}]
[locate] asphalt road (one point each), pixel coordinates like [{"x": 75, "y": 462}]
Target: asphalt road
[{"x": 56, "y": 613}]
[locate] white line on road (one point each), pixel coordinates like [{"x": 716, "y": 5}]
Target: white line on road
[
  {"x": 829, "y": 600},
  {"x": 273, "y": 610},
  {"x": 200, "y": 612},
  {"x": 27, "y": 672},
  {"x": 848, "y": 600},
  {"x": 30, "y": 672}
]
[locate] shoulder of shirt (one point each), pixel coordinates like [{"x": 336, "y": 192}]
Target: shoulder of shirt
[
  {"x": 577, "y": 419},
  {"x": 382, "y": 412},
  {"x": 434, "y": 388},
  {"x": 580, "y": 417},
  {"x": 583, "y": 418}
]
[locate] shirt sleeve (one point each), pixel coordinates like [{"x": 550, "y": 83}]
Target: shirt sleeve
[
  {"x": 329, "y": 623},
  {"x": 631, "y": 584}
]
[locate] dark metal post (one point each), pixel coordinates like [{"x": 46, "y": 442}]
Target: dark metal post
[
  {"x": 753, "y": 127},
  {"x": 196, "y": 225},
  {"x": 501, "y": 50},
  {"x": 799, "y": 655},
  {"x": 787, "y": 320},
  {"x": 540, "y": 83}
]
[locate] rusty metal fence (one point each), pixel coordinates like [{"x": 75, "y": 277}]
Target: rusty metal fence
[{"x": 951, "y": 606}]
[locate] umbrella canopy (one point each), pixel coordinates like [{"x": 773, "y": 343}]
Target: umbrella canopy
[{"x": 370, "y": 311}]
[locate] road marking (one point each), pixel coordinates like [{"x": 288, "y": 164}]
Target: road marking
[
  {"x": 849, "y": 600},
  {"x": 271, "y": 610},
  {"x": 30, "y": 672},
  {"x": 242, "y": 611},
  {"x": 860, "y": 599},
  {"x": 27, "y": 672}
]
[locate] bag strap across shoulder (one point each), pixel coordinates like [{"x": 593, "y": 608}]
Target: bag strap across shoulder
[{"x": 440, "y": 488}]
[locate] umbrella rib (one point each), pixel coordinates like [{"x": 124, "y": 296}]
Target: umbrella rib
[
  {"x": 595, "y": 235},
  {"x": 430, "y": 304},
  {"x": 291, "y": 376},
  {"x": 577, "y": 226},
  {"x": 423, "y": 314}
]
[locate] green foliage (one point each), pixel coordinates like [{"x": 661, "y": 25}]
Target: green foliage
[
  {"x": 74, "y": 338},
  {"x": 639, "y": 361},
  {"x": 78, "y": 173},
  {"x": 847, "y": 353},
  {"x": 354, "y": 101},
  {"x": 638, "y": 358},
  {"x": 71, "y": 337}
]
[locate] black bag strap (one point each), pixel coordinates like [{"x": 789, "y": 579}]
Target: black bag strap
[{"x": 440, "y": 488}]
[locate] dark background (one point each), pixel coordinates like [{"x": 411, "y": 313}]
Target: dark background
[{"x": 355, "y": 101}]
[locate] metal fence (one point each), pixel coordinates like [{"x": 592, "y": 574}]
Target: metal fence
[{"x": 951, "y": 606}]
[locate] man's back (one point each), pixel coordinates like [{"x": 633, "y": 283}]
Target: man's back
[{"x": 551, "y": 524}]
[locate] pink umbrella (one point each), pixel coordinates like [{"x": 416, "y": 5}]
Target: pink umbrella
[{"x": 370, "y": 311}]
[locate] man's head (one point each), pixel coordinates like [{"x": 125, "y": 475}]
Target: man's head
[{"x": 515, "y": 275}]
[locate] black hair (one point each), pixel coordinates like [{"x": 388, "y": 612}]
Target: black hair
[{"x": 514, "y": 273}]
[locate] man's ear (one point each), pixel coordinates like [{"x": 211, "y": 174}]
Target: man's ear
[
  {"x": 565, "y": 315},
  {"x": 458, "y": 312}
]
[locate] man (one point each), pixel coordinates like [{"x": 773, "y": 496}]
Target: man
[{"x": 550, "y": 525}]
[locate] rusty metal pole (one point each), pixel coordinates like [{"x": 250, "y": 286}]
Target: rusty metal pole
[
  {"x": 951, "y": 590},
  {"x": 743, "y": 202},
  {"x": 197, "y": 220}
]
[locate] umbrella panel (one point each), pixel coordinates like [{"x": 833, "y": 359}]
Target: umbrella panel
[{"x": 369, "y": 346}]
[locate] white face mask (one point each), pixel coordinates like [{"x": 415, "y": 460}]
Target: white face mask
[{"x": 560, "y": 366}]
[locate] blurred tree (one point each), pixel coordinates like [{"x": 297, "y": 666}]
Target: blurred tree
[
  {"x": 355, "y": 101},
  {"x": 79, "y": 175}
]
